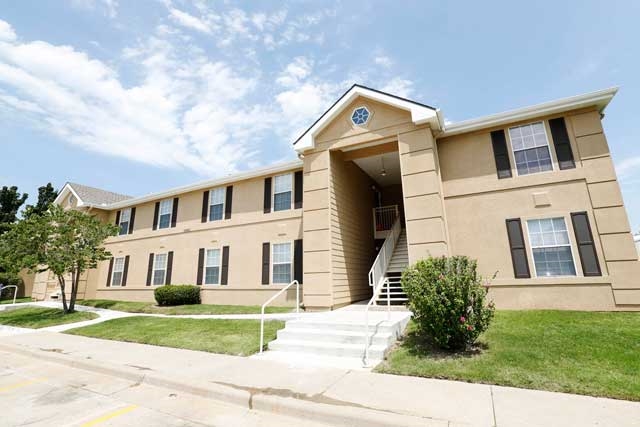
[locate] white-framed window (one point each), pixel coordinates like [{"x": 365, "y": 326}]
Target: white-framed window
[
  {"x": 530, "y": 146},
  {"x": 217, "y": 198},
  {"x": 282, "y": 262},
  {"x": 72, "y": 200},
  {"x": 551, "y": 247},
  {"x": 159, "y": 269},
  {"x": 282, "y": 192},
  {"x": 125, "y": 219},
  {"x": 212, "y": 267},
  {"x": 165, "y": 212},
  {"x": 118, "y": 271}
]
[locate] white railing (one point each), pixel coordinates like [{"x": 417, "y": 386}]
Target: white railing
[
  {"x": 15, "y": 291},
  {"x": 380, "y": 265},
  {"x": 383, "y": 219},
  {"x": 295, "y": 282},
  {"x": 376, "y": 293}
]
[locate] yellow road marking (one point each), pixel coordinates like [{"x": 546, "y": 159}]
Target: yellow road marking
[
  {"x": 110, "y": 415},
  {"x": 21, "y": 384}
]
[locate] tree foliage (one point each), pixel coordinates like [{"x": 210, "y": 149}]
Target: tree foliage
[
  {"x": 46, "y": 195},
  {"x": 65, "y": 242},
  {"x": 10, "y": 202}
]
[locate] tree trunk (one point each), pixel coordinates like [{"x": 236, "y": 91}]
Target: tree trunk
[
  {"x": 64, "y": 295},
  {"x": 75, "y": 277}
]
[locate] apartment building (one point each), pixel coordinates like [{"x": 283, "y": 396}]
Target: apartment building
[{"x": 381, "y": 183}]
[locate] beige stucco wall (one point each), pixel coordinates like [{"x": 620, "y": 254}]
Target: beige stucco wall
[
  {"x": 352, "y": 236},
  {"x": 477, "y": 204}
]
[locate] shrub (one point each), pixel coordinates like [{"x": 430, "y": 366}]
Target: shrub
[
  {"x": 7, "y": 279},
  {"x": 177, "y": 295},
  {"x": 447, "y": 299}
]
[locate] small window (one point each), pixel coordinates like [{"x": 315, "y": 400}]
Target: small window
[
  {"x": 530, "y": 148},
  {"x": 282, "y": 189},
  {"x": 159, "y": 269},
  {"x": 125, "y": 219},
  {"x": 164, "y": 220},
  {"x": 216, "y": 204},
  {"x": 72, "y": 200},
  {"x": 281, "y": 263},
  {"x": 549, "y": 240},
  {"x": 212, "y": 267},
  {"x": 118, "y": 271},
  {"x": 360, "y": 116}
]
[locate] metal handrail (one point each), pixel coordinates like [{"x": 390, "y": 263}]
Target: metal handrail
[
  {"x": 379, "y": 267},
  {"x": 15, "y": 291},
  {"x": 376, "y": 294},
  {"x": 384, "y": 217},
  {"x": 295, "y": 282}
]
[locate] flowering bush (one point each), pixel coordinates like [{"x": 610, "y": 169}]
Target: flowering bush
[{"x": 447, "y": 299}]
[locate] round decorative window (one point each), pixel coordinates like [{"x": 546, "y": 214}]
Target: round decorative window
[{"x": 360, "y": 116}]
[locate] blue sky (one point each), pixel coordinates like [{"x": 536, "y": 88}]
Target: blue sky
[{"x": 139, "y": 96}]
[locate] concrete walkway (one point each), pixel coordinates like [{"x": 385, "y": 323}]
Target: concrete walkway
[{"x": 338, "y": 397}]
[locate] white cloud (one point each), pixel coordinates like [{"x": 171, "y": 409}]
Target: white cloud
[
  {"x": 110, "y": 7},
  {"x": 6, "y": 32},
  {"x": 297, "y": 70},
  {"x": 189, "y": 21},
  {"x": 383, "y": 60},
  {"x": 398, "y": 86},
  {"x": 628, "y": 167}
]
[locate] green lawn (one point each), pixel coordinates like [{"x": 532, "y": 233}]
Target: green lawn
[
  {"x": 595, "y": 354},
  {"x": 19, "y": 299},
  {"x": 149, "y": 307},
  {"x": 235, "y": 337},
  {"x": 41, "y": 317}
]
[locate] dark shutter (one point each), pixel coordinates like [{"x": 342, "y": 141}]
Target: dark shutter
[
  {"x": 298, "y": 190},
  {"x": 118, "y": 218},
  {"x": 228, "y": 202},
  {"x": 224, "y": 275},
  {"x": 150, "y": 269},
  {"x": 167, "y": 277},
  {"x": 501, "y": 154},
  {"x": 132, "y": 220},
  {"x": 110, "y": 271},
  {"x": 126, "y": 271},
  {"x": 174, "y": 214},
  {"x": 297, "y": 260},
  {"x": 586, "y": 245},
  {"x": 266, "y": 249},
  {"x": 155, "y": 215},
  {"x": 518, "y": 250},
  {"x": 205, "y": 206},
  {"x": 562, "y": 143},
  {"x": 200, "y": 266},
  {"x": 267, "y": 195}
]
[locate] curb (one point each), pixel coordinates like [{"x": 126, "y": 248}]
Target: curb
[{"x": 331, "y": 414}]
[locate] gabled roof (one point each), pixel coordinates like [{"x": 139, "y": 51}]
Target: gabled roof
[
  {"x": 420, "y": 113},
  {"x": 90, "y": 196}
]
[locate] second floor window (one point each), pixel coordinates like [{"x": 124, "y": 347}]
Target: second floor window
[
  {"x": 164, "y": 219},
  {"x": 282, "y": 189},
  {"x": 212, "y": 267},
  {"x": 530, "y": 148},
  {"x": 216, "y": 203},
  {"x": 118, "y": 271},
  {"x": 159, "y": 269},
  {"x": 125, "y": 219}
]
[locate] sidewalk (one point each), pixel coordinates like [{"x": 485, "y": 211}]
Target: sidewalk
[{"x": 334, "y": 396}]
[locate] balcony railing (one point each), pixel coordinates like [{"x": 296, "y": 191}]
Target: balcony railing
[{"x": 383, "y": 219}]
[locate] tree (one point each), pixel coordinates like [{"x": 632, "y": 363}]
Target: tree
[
  {"x": 46, "y": 195},
  {"x": 65, "y": 242},
  {"x": 10, "y": 202}
]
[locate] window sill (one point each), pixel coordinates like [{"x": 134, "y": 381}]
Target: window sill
[{"x": 551, "y": 281}]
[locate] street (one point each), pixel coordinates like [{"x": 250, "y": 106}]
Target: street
[{"x": 37, "y": 393}]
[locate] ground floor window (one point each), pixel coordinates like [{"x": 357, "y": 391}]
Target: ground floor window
[
  {"x": 212, "y": 267},
  {"x": 551, "y": 247},
  {"x": 118, "y": 271},
  {"x": 282, "y": 262},
  {"x": 159, "y": 269}
]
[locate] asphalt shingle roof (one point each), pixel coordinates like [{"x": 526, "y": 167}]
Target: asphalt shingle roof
[{"x": 96, "y": 196}]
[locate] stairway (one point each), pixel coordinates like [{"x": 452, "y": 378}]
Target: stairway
[
  {"x": 340, "y": 334},
  {"x": 399, "y": 261}
]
